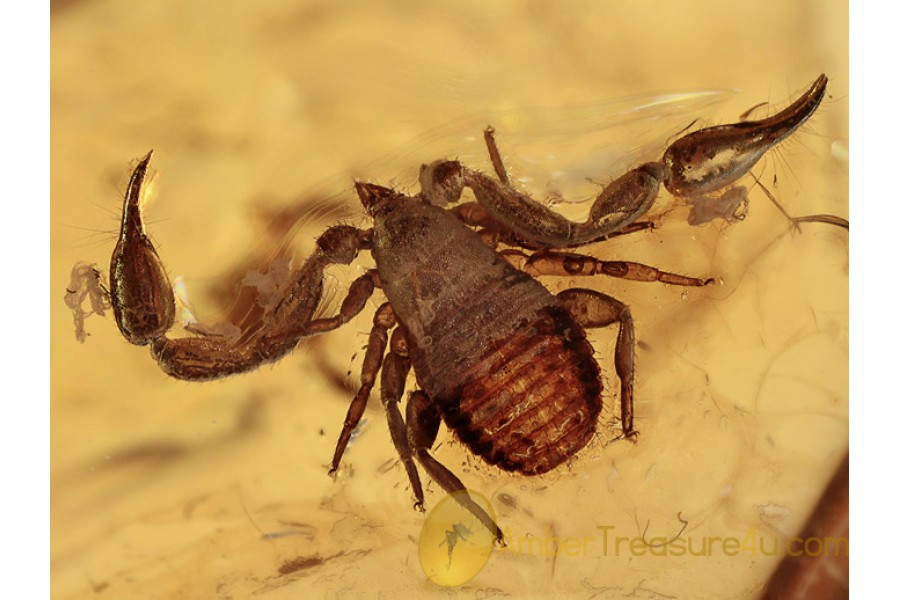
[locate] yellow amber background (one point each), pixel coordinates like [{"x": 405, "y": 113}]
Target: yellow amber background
[{"x": 166, "y": 489}]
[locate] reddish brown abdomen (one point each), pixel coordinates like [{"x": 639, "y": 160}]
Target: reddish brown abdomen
[{"x": 533, "y": 399}]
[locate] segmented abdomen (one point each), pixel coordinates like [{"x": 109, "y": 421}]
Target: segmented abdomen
[{"x": 532, "y": 400}]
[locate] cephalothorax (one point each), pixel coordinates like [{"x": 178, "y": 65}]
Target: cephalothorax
[{"x": 500, "y": 359}]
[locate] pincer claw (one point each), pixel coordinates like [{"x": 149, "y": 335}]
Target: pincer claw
[{"x": 712, "y": 159}]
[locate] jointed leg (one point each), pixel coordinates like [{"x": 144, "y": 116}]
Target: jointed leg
[
  {"x": 142, "y": 299},
  {"x": 203, "y": 358},
  {"x": 535, "y": 225},
  {"x": 474, "y": 215},
  {"x": 472, "y": 211},
  {"x": 701, "y": 162},
  {"x": 592, "y": 309},
  {"x": 359, "y": 293},
  {"x": 423, "y": 421},
  {"x": 393, "y": 382},
  {"x": 494, "y": 153},
  {"x": 618, "y": 206},
  {"x": 551, "y": 262},
  {"x": 384, "y": 320},
  {"x": 394, "y": 369}
]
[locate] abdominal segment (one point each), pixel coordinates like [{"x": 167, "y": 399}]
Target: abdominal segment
[{"x": 533, "y": 399}]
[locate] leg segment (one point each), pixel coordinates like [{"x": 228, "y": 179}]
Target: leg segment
[
  {"x": 699, "y": 163},
  {"x": 494, "y": 152},
  {"x": 565, "y": 264},
  {"x": 384, "y": 320},
  {"x": 423, "y": 420},
  {"x": 213, "y": 357},
  {"x": 592, "y": 309},
  {"x": 394, "y": 370},
  {"x": 627, "y": 189},
  {"x": 393, "y": 382},
  {"x": 474, "y": 215},
  {"x": 144, "y": 306},
  {"x": 622, "y": 203},
  {"x": 359, "y": 293}
]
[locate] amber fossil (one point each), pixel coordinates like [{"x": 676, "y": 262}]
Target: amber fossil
[{"x": 500, "y": 359}]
